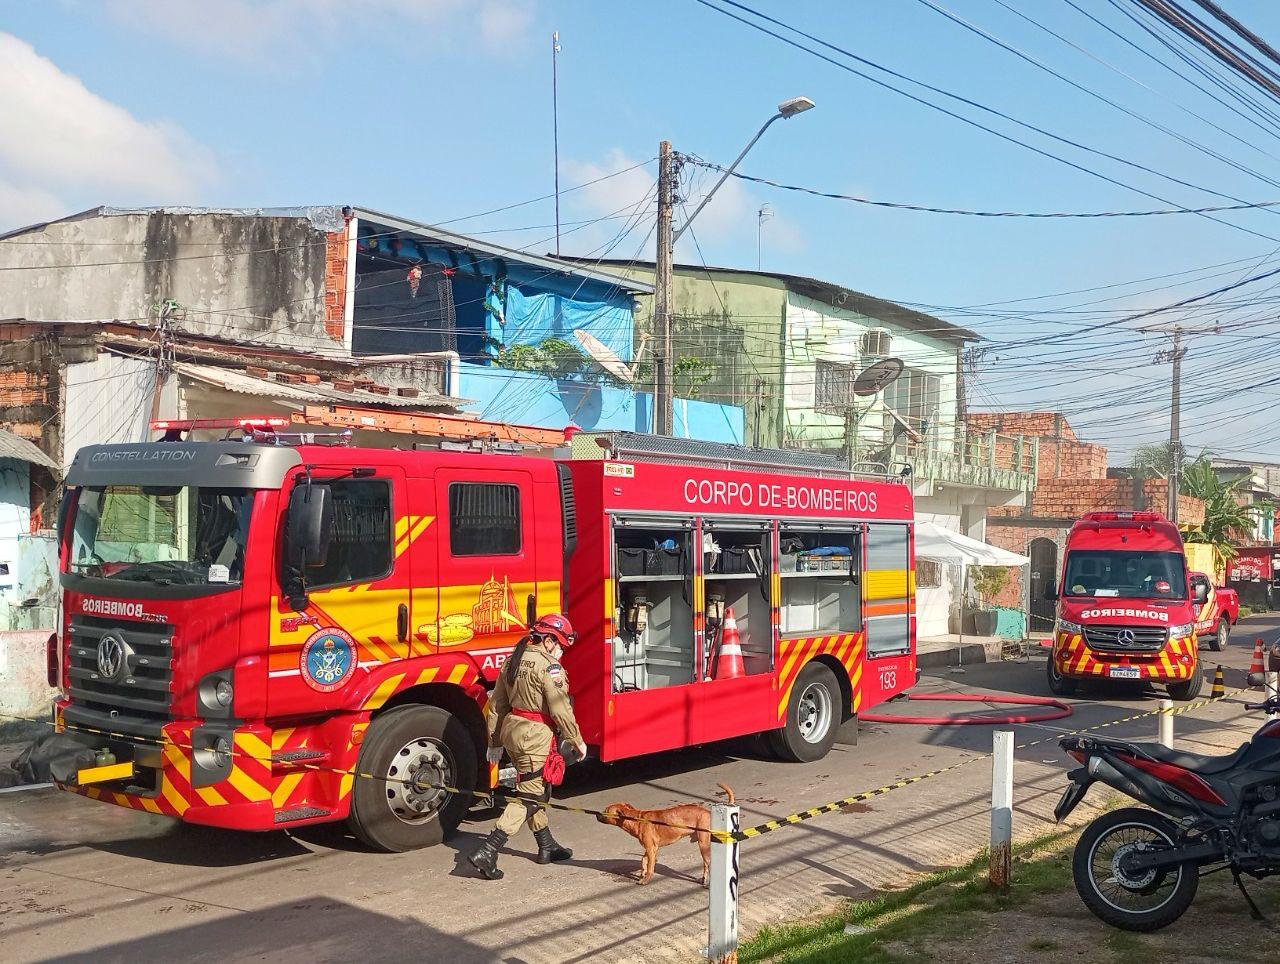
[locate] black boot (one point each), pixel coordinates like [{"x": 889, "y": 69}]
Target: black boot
[
  {"x": 548, "y": 850},
  {"x": 485, "y": 857}
]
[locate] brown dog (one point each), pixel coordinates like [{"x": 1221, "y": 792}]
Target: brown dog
[{"x": 657, "y": 828}]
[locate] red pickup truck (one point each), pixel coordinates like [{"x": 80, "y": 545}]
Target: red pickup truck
[{"x": 1217, "y": 615}]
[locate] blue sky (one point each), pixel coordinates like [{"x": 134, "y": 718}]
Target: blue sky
[{"x": 440, "y": 109}]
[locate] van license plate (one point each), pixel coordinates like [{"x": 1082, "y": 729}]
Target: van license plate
[{"x": 1124, "y": 672}]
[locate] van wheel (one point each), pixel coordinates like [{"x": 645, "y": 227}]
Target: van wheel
[
  {"x": 410, "y": 751},
  {"x": 1221, "y": 635},
  {"x": 1189, "y": 690},
  {"x": 1060, "y": 685},
  {"x": 814, "y": 712}
]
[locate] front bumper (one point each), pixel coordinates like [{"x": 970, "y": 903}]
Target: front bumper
[
  {"x": 1176, "y": 662},
  {"x": 272, "y": 778}
]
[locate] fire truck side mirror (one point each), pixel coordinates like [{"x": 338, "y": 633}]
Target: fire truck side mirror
[
  {"x": 1201, "y": 590},
  {"x": 309, "y": 526}
]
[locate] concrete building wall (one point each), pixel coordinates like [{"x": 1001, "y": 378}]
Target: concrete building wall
[
  {"x": 817, "y": 331},
  {"x": 734, "y": 323},
  {"x": 259, "y": 278},
  {"x": 108, "y": 400}
]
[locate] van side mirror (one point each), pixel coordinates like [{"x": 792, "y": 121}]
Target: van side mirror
[{"x": 309, "y": 526}]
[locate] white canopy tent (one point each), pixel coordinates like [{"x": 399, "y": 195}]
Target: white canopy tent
[{"x": 943, "y": 545}]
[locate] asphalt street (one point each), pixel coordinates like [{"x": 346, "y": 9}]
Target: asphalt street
[{"x": 80, "y": 879}]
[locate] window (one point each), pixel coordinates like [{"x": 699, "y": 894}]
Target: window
[
  {"x": 915, "y": 395},
  {"x": 484, "y": 519},
  {"x": 875, "y": 344},
  {"x": 888, "y": 590},
  {"x": 928, "y": 574},
  {"x": 360, "y": 544}
]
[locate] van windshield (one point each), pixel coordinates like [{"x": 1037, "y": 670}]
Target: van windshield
[
  {"x": 167, "y": 535},
  {"x": 1133, "y": 575}
]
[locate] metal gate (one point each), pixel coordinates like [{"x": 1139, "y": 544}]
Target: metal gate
[{"x": 1044, "y": 573}]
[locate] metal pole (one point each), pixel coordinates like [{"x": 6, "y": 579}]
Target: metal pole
[
  {"x": 555, "y": 128},
  {"x": 663, "y": 418},
  {"x": 722, "y": 943},
  {"x": 1166, "y": 723},
  {"x": 1271, "y": 687},
  {"x": 1175, "y": 427},
  {"x": 724, "y": 177},
  {"x": 1001, "y": 860}
]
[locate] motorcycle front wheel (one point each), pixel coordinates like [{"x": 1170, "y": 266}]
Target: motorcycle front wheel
[{"x": 1140, "y": 902}]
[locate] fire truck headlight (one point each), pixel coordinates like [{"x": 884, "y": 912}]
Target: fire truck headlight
[
  {"x": 1070, "y": 628},
  {"x": 223, "y": 692},
  {"x": 1177, "y": 632},
  {"x": 222, "y": 752}
]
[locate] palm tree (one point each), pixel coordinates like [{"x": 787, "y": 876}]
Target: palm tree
[{"x": 1226, "y": 519}]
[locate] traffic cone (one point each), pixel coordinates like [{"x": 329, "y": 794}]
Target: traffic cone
[
  {"x": 729, "y": 665},
  {"x": 1219, "y": 689},
  {"x": 1255, "y": 666}
]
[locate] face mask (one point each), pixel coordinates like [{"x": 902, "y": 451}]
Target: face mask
[{"x": 557, "y": 652}]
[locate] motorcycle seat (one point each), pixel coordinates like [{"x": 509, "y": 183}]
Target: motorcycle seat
[{"x": 1202, "y": 763}]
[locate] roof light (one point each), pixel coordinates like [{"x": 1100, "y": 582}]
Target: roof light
[
  {"x": 191, "y": 424},
  {"x": 1122, "y": 517}
]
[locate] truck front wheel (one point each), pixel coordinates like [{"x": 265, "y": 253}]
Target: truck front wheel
[
  {"x": 1221, "y": 634},
  {"x": 1182, "y": 692},
  {"x": 1060, "y": 685},
  {"x": 813, "y": 716},
  {"x": 410, "y": 752}
]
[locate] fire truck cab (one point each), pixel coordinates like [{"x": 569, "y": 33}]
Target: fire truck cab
[
  {"x": 1126, "y": 606},
  {"x": 278, "y": 634}
]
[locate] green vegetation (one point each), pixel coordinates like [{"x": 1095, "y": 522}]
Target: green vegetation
[
  {"x": 913, "y": 917},
  {"x": 1226, "y": 520},
  {"x": 988, "y": 581}
]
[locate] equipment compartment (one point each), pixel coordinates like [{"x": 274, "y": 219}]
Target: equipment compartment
[
  {"x": 653, "y": 645},
  {"x": 736, "y": 578},
  {"x": 821, "y": 591}
]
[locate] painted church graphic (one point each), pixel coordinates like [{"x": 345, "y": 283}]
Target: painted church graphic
[{"x": 496, "y": 611}]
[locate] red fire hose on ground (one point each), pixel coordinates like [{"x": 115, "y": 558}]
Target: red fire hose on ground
[{"x": 1057, "y": 710}]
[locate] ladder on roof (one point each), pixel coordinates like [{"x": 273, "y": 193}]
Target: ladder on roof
[{"x": 641, "y": 447}]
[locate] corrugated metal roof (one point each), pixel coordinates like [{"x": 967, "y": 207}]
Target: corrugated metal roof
[
  {"x": 242, "y": 383},
  {"x": 16, "y": 447}
]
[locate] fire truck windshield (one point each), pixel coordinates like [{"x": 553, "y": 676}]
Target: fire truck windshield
[
  {"x": 170, "y": 535},
  {"x": 1132, "y": 575}
]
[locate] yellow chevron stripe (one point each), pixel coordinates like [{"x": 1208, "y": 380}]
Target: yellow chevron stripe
[
  {"x": 171, "y": 794},
  {"x": 280, "y": 737},
  {"x": 248, "y": 787},
  {"x": 282, "y": 792},
  {"x": 456, "y": 674},
  {"x": 383, "y": 693},
  {"x": 252, "y": 746},
  {"x": 211, "y": 796},
  {"x": 427, "y": 675},
  {"x": 150, "y": 805}
]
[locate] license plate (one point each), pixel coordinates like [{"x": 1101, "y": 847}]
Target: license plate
[{"x": 1124, "y": 672}]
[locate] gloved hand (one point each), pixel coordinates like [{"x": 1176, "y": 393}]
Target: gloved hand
[
  {"x": 573, "y": 752},
  {"x": 494, "y": 754}
]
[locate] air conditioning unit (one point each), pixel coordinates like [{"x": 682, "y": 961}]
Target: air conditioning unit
[{"x": 875, "y": 343}]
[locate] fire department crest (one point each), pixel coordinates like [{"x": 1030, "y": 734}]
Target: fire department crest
[{"x": 328, "y": 660}]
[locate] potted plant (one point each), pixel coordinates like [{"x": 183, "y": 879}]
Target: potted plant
[{"x": 987, "y": 582}]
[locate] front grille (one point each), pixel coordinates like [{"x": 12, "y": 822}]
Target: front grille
[
  {"x": 1126, "y": 639},
  {"x": 141, "y": 687}
]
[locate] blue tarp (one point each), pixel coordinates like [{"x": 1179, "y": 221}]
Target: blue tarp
[{"x": 532, "y": 318}]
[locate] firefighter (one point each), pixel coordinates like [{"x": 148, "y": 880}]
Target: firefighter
[{"x": 530, "y": 703}]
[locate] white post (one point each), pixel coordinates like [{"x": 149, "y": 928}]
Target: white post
[
  {"x": 1166, "y": 723},
  {"x": 1001, "y": 864},
  {"x": 722, "y": 944},
  {"x": 1271, "y": 686}
]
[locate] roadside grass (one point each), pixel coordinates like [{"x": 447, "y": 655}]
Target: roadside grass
[{"x": 926, "y": 909}]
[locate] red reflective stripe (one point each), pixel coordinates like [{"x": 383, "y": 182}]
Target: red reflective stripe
[{"x": 535, "y": 716}]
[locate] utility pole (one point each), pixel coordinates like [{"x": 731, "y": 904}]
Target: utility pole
[
  {"x": 1174, "y": 355},
  {"x": 663, "y": 415},
  {"x": 555, "y": 129}
]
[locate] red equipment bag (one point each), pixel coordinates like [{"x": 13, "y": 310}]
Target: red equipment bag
[{"x": 553, "y": 769}]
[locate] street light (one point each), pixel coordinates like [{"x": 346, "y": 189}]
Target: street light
[{"x": 786, "y": 110}]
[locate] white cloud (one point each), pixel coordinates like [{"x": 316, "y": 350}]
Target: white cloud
[
  {"x": 62, "y": 141},
  {"x": 265, "y": 32},
  {"x": 628, "y": 190}
]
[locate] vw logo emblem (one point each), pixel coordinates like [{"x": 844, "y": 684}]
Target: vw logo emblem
[
  {"x": 1126, "y": 637},
  {"x": 112, "y": 656}
]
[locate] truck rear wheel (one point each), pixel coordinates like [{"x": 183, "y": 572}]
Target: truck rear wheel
[
  {"x": 1188, "y": 690},
  {"x": 1060, "y": 685},
  {"x": 411, "y": 751},
  {"x": 814, "y": 712}
]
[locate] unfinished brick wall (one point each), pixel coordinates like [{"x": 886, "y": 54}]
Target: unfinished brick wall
[
  {"x": 1018, "y": 538},
  {"x": 335, "y": 285},
  {"x": 1031, "y": 424}
]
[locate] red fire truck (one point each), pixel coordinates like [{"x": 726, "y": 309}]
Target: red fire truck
[
  {"x": 1126, "y": 606},
  {"x": 254, "y": 619}
]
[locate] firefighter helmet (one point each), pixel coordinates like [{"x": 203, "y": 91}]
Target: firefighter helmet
[{"x": 555, "y": 627}]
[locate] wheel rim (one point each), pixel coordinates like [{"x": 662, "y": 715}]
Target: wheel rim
[
  {"x": 813, "y": 716},
  {"x": 1223, "y": 633},
  {"x": 415, "y": 773},
  {"x": 1131, "y": 894}
]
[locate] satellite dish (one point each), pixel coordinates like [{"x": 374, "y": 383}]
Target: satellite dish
[
  {"x": 876, "y": 377},
  {"x": 603, "y": 356}
]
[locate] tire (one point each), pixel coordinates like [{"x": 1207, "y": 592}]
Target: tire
[
  {"x": 399, "y": 743},
  {"x": 1221, "y": 635},
  {"x": 1060, "y": 685},
  {"x": 1090, "y": 857},
  {"x": 1188, "y": 690},
  {"x": 814, "y": 712}
]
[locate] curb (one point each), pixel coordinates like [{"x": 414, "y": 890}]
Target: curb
[{"x": 972, "y": 653}]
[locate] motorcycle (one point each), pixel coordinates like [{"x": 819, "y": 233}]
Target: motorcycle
[{"x": 1138, "y": 869}]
